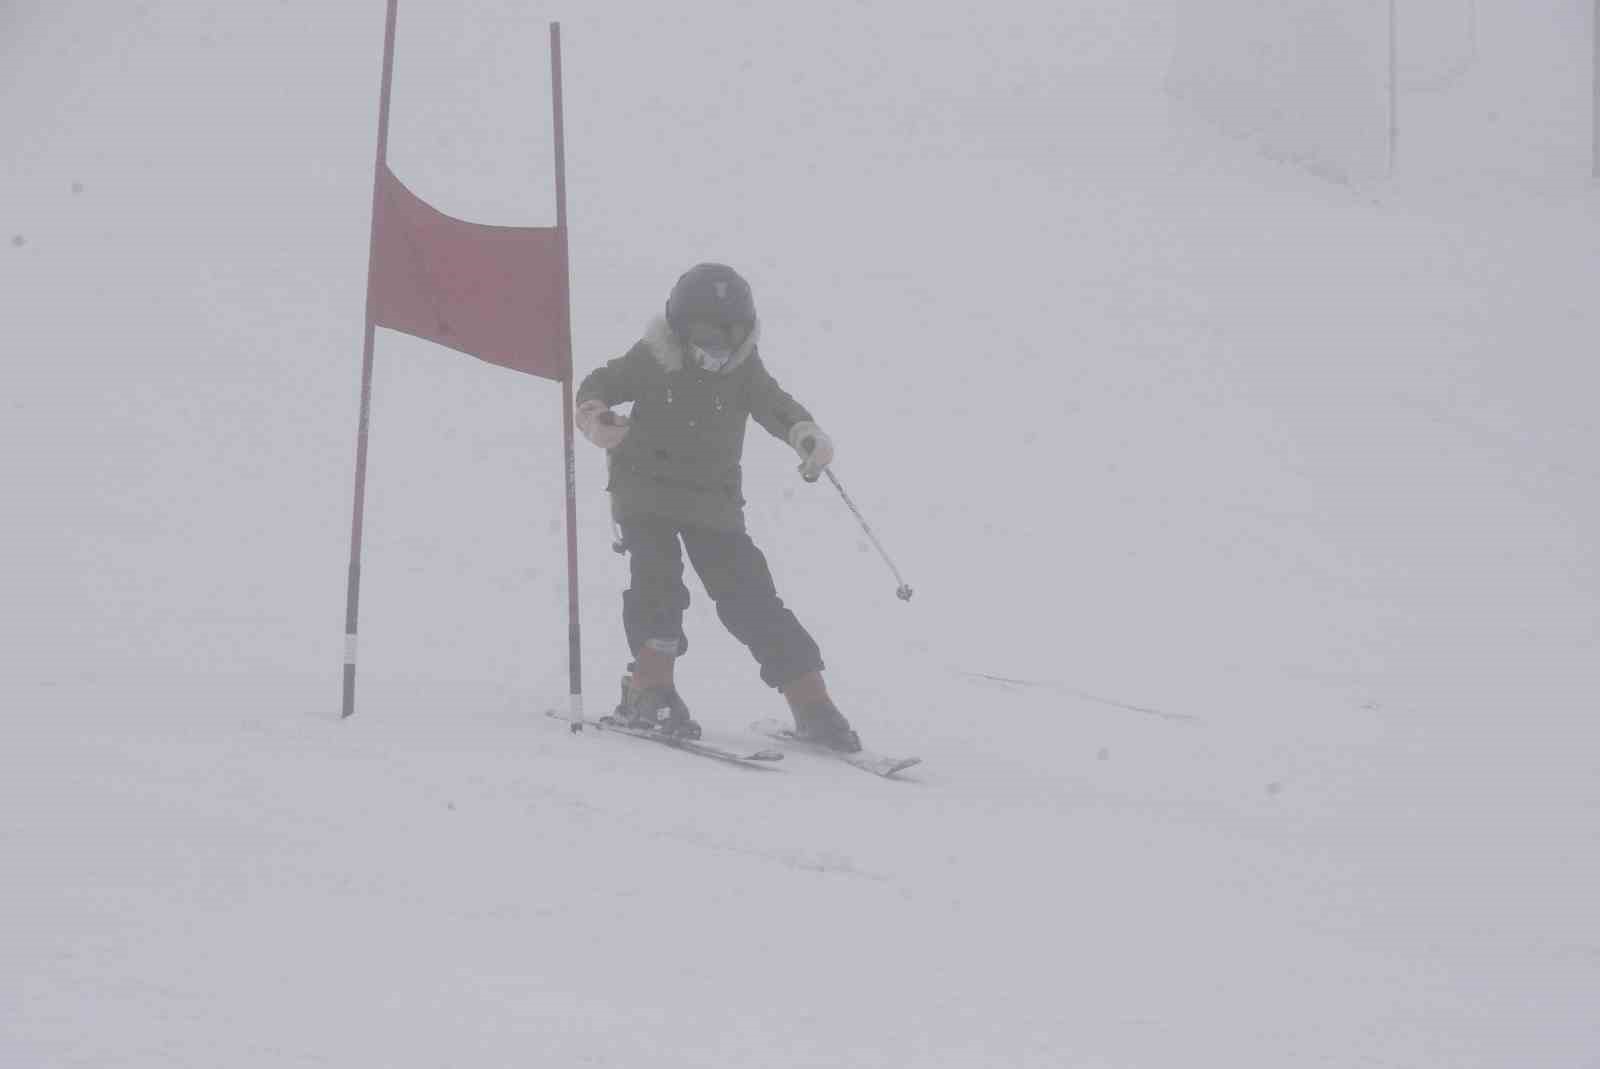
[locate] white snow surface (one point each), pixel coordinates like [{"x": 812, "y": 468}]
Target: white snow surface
[{"x": 1252, "y": 519}]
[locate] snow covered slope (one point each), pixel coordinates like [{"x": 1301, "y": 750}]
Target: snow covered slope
[{"x": 1253, "y": 657}]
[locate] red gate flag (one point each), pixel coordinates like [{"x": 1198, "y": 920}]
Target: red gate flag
[
  {"x": 493, "y": 292},
  {"x": 498, "y": 293}
]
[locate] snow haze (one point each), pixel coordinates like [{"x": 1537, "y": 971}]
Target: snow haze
[{"x": 1251, "y": 506}]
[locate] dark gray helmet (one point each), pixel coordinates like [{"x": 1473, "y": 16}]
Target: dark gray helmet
[{"x": 711, "y": 295}]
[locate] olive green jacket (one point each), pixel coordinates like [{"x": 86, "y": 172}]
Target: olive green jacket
[{"x": 681, "y": 458}]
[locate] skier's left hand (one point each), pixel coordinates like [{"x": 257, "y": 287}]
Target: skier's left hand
[{"x": 815, "y": 449}]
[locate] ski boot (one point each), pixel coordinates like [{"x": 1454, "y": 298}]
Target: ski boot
[
  {"x": 655, "y": 709},
  {"x": 816, "y": 718},
  {"x": 651, "y": 702}
]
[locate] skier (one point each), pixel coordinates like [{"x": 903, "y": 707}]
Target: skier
[{"x": 694, "y": 379}]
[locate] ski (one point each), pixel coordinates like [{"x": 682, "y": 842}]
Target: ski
[
  {"x": 764, "y": 759},
  {"x": 866, "y": 760}
]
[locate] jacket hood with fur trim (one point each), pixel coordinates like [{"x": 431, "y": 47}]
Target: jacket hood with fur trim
[{"x": 670, "y": 352}]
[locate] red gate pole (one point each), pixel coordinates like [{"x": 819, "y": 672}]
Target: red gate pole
[
  {"x": 574, "y": 640},
  {"x": 358, "y": 509}
]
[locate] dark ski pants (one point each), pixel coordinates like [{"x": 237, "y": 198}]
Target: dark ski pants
[{"x": 737, "y": 578}]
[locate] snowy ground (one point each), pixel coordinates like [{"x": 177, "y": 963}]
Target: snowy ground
[{"x": 1253, "y": 660}]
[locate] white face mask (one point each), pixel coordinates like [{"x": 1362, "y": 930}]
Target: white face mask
[
  {"x": 711, "y": 359},
  {"x": 713, "y": 346}
]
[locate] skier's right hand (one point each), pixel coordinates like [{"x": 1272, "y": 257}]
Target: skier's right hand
[{"x": 600, "y": 425}]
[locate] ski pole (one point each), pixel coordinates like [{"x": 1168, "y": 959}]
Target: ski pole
[{"x": 903, "y": 592}]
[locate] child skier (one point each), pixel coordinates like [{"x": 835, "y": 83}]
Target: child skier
[{"x": 694, "y": 380}]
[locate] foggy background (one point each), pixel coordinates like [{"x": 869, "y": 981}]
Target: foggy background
[{"x": 1270, "y": 487}]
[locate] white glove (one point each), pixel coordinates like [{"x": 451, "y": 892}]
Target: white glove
[
  {"x": 600, "y": 425},
  {"x": 814, "y": 446}
]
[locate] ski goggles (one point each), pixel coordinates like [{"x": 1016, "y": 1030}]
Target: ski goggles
[{"x": 727, "y": 336}]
